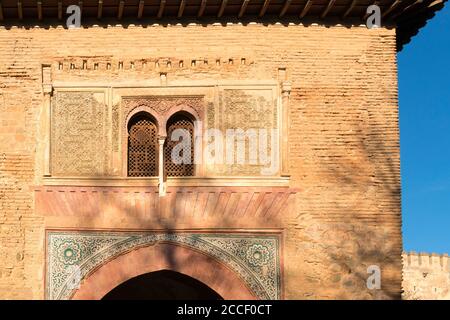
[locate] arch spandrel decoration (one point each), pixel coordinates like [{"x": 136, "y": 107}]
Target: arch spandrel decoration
[
  {"x": 163, "y": 107},
  {"x": 255, "y": 258}
]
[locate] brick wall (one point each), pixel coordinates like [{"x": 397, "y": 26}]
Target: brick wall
[
  {"x": 344, "y": 148},
  {"x": 426, "y": 276}
]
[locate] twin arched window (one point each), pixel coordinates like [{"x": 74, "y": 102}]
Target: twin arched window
[{"x": 143, "y": 146}]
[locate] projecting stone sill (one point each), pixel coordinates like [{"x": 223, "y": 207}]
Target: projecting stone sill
[{"x": 282, "y": 181}]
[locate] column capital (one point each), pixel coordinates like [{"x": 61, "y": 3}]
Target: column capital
[
  {"x": 286, "y": 88},
  {"x": 161, "y": 139},
  {"x": 47, "y": 89}
]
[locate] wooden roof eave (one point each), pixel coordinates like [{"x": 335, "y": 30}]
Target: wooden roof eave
[{"x": 409, "y": 16}]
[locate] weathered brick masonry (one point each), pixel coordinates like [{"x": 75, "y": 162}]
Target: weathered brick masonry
[
  {"x": 426, "y": 276},
  {"x": 343, "y": 150}
]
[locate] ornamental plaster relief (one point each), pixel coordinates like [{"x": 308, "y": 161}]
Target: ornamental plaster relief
[{"x": 73, "y": 255}]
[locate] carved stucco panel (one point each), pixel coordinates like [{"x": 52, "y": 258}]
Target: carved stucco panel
[
  {"x": 243, "y": 109},
  {"x": 78, "y": 136}
]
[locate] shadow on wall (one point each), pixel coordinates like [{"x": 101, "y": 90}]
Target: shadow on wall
[{"x": 358, "y": 165}]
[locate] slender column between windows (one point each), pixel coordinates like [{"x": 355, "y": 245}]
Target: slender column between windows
[{"x": 162, "y": 184}]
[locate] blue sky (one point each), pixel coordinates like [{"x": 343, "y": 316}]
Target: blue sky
[{"x": 424, "y": 71}]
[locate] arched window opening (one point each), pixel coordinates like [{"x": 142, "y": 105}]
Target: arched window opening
[
  {"x": 172, "y": 166},
  {"x": 142, "y": 146}
]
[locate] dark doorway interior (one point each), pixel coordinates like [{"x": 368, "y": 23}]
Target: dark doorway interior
[{"x": 162, "y": 285}]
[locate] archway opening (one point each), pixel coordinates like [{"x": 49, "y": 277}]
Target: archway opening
[{"x": 162, "y": 285}]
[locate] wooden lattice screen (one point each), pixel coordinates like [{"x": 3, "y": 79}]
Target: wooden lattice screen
[
  {"x": 172, "y": 169},
  {"x": 142, "y": 147}
]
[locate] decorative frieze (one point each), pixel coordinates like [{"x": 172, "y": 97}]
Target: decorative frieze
[{"x": 161, "y": 64}]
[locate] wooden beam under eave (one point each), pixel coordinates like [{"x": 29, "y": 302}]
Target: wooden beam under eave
[
  {"x": 350, "y": 9},
  {"x": 120, "y": 9},
  {"x": 19, "y": 10},
  {"x": 1, "y": 12},
  {"x": 285, "y": 7},
  {"x": 264, "y": 8},
  {"x": 243, "y": 7},
  {"x": 435, "y": 3},
  {"x": 140, "y": 9},
  {"x": 222, "y": 8},
  {"x": 327, "y": 9},
  {"x": 202, "y": 9},
  {"x": 39, "y": 10},
  {"x": 407, "y": 8},
  {"x": 425, "y": 9},
  {"x": 392, "y": 7},
  {"x": 181, "y": 8},
  {"x": 100, "y": 9},
  {"x": 162, "y": 4},
  {"x": 60, "y": 10},
  {"x": 306, "y": 9}
]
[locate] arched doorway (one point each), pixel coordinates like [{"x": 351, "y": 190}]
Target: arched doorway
[
  {"x": 162, "y": 285},
  {"x": 164, "y": 256}
]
